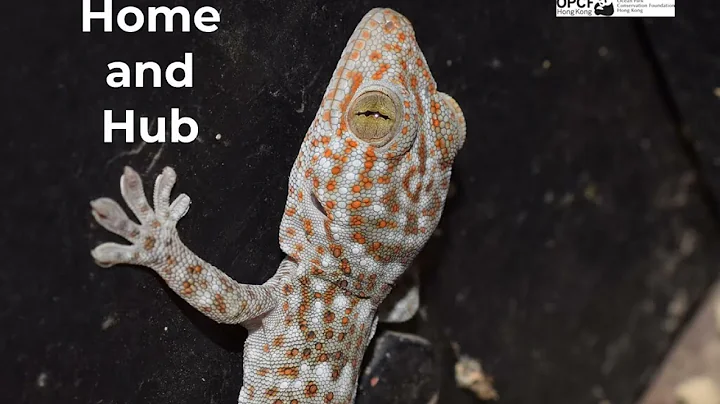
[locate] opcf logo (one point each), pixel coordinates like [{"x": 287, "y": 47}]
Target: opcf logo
[{"x": 574, "y": 3}]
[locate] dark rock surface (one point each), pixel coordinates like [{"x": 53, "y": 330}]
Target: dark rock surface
[
  {"x": 401, "y": 369},
  {"x": 687, "y": 49},
  {"x": 576, "y": 245}
]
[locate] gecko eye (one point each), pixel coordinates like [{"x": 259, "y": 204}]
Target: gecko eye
[{"x": 373, "y": 117}]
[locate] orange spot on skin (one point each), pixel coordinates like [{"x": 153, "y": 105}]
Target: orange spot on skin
[
  {"x": 311, "y": 389},
  {"x": 357, "y": 79},
  {"x": 345, "y": 267},
  {"x": 289, "y": 371},
  {"x": 359, "y": 45},
  {"x": 329, "y": 316},
  {"x": 149, "y": 243},
  {"x": 375, "y": 56},
  {"x": 384, "y": 67},
  {"x": 359, "y": 238},
  {"x": 271, "y": 392},
  {"x": 336, "y": 251},
  {"x": 278, "y": 341},
  {"x": 307, "y": 224},
  {"x": 356, "y": 220},
  {"x": 420, "y": 108}
]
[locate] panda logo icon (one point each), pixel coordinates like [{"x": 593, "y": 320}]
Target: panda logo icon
[{"x": 605, "y": 8}]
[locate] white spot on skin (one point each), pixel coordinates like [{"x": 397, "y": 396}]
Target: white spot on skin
[
  {"x": 345, "y": 382},
  {"x": 319, "y": 286},
  {"x": 323, "y": 371},
  {"x": 253, "y": 353},
  {"x": 340, "y": 302},
  {"x": 293, "y": 334},
  {"x": 335, "y": 145},
  {"x": 294, "y": 299}
]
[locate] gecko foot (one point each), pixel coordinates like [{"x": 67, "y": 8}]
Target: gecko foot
[{"x": 156, "y": 229}]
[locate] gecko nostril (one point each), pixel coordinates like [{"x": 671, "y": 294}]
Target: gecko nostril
[{"x": 317, "y": 204}]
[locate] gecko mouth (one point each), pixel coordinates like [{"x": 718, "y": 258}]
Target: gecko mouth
[{"x": 317, "y": 204}]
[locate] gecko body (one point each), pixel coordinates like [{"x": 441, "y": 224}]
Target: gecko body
[{"x": 365, "y": 193}]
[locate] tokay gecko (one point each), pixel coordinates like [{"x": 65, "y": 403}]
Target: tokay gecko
[{"x": 365, "y": 193}]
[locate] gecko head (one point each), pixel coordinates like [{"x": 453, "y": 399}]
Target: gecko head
[
  {"x": 372, "y": 176},
  {"x": 387, "y": 99}
]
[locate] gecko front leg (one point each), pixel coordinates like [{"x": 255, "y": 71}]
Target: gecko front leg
[{"x": 157, "y": 245}]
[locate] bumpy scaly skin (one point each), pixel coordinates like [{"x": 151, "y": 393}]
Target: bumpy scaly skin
[{"x": 356, "y": 216}]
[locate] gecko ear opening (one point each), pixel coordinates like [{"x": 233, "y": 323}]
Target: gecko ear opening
[{"x": 373, "y": 117}]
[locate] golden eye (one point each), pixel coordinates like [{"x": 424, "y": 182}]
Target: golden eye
[{"x": 373, "y": 118}]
